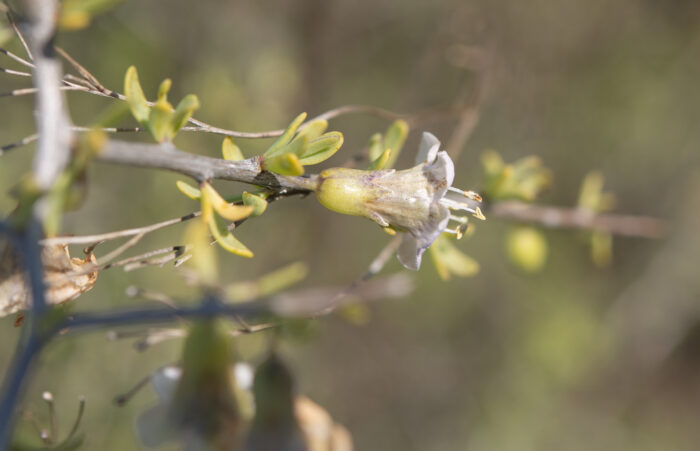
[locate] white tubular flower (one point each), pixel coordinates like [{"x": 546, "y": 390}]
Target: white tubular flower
[{"x": 419, "y": 202}]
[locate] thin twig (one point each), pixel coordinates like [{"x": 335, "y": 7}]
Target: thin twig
[
  {"x": 15, "y": 28},
  {"x": 22, "y": 142},
  {"x": 15, "y": 72},
  {"x": 19, "y": 59},
  {"x": 117, "y": 234},
  {"x": 27, "y": 91},
  {"x": 576, "y": 218}
]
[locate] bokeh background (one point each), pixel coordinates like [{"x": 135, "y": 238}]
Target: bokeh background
[{"x": 573, "y": 357}]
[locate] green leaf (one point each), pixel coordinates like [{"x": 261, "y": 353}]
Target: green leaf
[
  {"x": 187, "y": 106},
  {"x": 135, "y": 97},
  {"x": 231, "y": 212},
  {"x": 268, "y": 284},
  {"x": 163, "y": 90},
  {"x": 322, "y": 148},
  {"x": 527, "y": 248},
  {"x": 298, "y": 146},
  {"x": 188, "y": 190},
  {"x": 160, "y": 121},
  {"x": 226, "y": 239},
  {"x": 285, "y": 164},
  {"x": 257, "y": 202},
  {"x": 394, "y": 139},
  {"x": 314, "y": 129},
  {"x": 203, "y": 258},
  {"x": 230, "y": 150},
  {"x": 276, "y": 148},
  {"x": 381, "y": 161},
  {"x": 450, "y": 260},
  {"x": 376, "y": 146}
]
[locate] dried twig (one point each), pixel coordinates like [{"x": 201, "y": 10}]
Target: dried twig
[{"x": 576, "y": 218}]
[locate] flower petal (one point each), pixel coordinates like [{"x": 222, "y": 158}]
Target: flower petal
[
  {"x": 429, "y": 146},
  {"x": 440, "y": 173},
  {"x": 154, "y": 428},
  {"x": 409, "y": 253},
  {"x": 165, "y": 381}
]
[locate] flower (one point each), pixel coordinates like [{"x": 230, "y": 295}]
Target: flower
[{"x": 419, "y": 202}]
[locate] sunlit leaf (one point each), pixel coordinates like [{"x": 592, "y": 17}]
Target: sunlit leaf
[
  {"x": 314, "y": 129},
  {"x": 188, "y": 190},
  {"x": 258, "y": 204},
  {"x": 135, "y": 97},
  {"x": 527, "y": 248},
  {"x": 276, "y": 148},
  {"x": 285, "y": 164},
  {"x": 449, "y": 260},
  {"x": 376, "y": 146},
  {"x": 230, "y": 151},
  {"x": 394, "y": 139},
  {"x": 187, "y": 106},
  {"x": 222, "y": 207},
  {"x": 226, "y": 239},
  {"x": 381, "y": 161},
  {"x": 160, "y": 121},
  {"x": 322, "y": 148}
]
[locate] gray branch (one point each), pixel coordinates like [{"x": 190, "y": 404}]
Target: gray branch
[{"x": 201, "y": 168}]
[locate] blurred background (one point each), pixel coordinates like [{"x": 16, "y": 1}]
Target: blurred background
[{"x": 571, "y": 356}]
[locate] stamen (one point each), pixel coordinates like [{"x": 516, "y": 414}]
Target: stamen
[
  {"x": 460, "y": 219},
  {"x": 454, "y": 205},
  {"x": 479, "y": 215},
  {"x": 468, "y": 194},
  {"x": 458, "y": 231}
]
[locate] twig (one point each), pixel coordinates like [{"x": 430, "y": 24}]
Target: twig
[
  {"x": 15, "y": 72},
  {"x": 117, "y": 234},
  {"x": 19, "y": 59},
  {"x": 202, "y": 168},
  {"x": 575, "y": 218},
  {"x": 15, "y": 28},
  {"x": 27, "y": 91},
  {"x": 24, "y": 141}
]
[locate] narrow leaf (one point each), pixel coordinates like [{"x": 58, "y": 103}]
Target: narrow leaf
[
  {"x": 394, "y": 139},
  {"x": 285, "y": 164},
  {"x": 226, "y": 210},
  {"x": 187, "y": 106},
  {"x": 230, "y": 150},
  {"x": 314, "y": 129},
  {"x": 376, "y": 146},
  {"x": 163, "y": 90},
  {"x": 134, "y": 95},
  {"x": 258, "y": 203},
  {"x": 188, "y": 190},
  {"x": 276, "y": 147},
  {"x": 322, "y": 148},
  {"x": 226, "y": 239},
  {"x": 160, "y": 121},
  {"x": 380, "y": 163}
]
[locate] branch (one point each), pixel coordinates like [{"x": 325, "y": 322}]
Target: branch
[
  {"x": 576, "y": 218},
  {"x": 202, "y": 168}
]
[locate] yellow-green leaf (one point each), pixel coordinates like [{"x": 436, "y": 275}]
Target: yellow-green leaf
[
  {"x": 203, "y": 254},
  {"x": 313, "y": 129},
  {"x": 322, "y": 148},
  {"x": 285, "y": 164},
  {"x": 187, "y": 106},
  {"x": 394, "y": 139},
  {"x": 160, "y": 121},
  {"x": 268, "y": 284},
  {"x": 163, "y": 90},
  {"x": 226, "y": 210},
  {"x": 381, "y": 161},
  {"x": 226, "y": 239},
  {"x": 527, "y": 248},
  {"x": 230, "y": 150},
  {"x": 449, "y": 260},
  {"x": 376, "y": 146},
  {"x": 276, "y": 147},
  {"x": 135, "y": 97},
  {"x": 188, "y": 190},
  {"x": 258, "y": 203}
]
